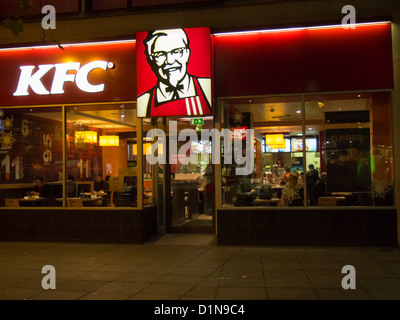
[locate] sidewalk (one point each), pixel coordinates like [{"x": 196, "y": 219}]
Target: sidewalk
[{"x": 193, "y": 267}]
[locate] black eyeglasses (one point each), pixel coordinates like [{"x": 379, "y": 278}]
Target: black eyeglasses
[{"x": 161, "y": 56}]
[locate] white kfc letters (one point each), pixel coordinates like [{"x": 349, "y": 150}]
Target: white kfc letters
[{"x": 61, "y": 75}]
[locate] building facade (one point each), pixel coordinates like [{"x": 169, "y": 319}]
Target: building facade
[{"x": 319, "y": 103}]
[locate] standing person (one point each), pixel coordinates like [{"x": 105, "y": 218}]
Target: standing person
[
  {"x": 177, "y": 92},
  {"x": 312, "y": 176},
  {"x": 318, "y": 189}
]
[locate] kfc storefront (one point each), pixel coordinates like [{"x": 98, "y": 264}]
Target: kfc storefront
[{"x": 264, "y": 137}]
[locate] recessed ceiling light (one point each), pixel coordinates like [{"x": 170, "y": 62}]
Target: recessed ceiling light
[{"x": 298, "y": 111}]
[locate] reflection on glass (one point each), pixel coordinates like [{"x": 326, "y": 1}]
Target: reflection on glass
[
  {"x": 277, "y": 179},
  {"x": 31, "y": 163},
  {"x": 355, "y": 165}
]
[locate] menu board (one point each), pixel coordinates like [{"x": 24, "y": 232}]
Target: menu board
[{"x": 297, "y": 144}]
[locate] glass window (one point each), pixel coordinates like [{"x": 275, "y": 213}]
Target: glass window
[
  {"x": 353, "y": 163},
  {"x": 277, "y": 178},
  {"x": 101, "y": 157},
  {"x": 31, "y": 156}
]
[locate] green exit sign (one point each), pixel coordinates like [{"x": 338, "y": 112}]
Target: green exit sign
[{"x": 196, "y": 122}]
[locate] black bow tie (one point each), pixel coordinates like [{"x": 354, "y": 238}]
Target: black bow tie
[{"x": 174, "y": 90}]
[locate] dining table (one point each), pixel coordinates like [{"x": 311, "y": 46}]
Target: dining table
[
  {"x": 30, "y": 201},
  {"x": 38, "y": 201}
]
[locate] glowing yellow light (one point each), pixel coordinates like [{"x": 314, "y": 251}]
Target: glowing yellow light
[
  {"x": 109, "y": 141},
  {"x": 275, "y": 140},
  {"x": 278, "y": 146},
  {"x": 85, "y": 137},
  {"x": 146, "y": 147}
]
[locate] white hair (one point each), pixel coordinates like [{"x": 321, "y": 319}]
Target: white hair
[{"x": 178, "y": 34}]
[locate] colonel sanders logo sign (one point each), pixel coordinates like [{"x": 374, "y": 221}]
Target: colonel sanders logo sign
[{"x": 174, "y": 72}]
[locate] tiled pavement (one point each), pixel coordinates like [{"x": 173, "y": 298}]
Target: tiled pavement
[{"x": 193, "y": 267}]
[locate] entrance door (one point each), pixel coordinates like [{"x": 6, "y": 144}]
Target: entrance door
[{"x": 189, "y": 189}]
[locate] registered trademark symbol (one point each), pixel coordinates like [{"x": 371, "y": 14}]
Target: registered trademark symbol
[{"x": 110, "y": 65}]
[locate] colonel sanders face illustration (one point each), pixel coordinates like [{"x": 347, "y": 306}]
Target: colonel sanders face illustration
[
  {"x": 176, "y": 92},
  {"x": 168, "y": 54}
]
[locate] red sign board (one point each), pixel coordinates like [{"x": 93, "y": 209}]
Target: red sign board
[
  {"x": 174, "y": 72},
  {"x": 303, "y": 60},
  {"x": 81, "y": 73}
]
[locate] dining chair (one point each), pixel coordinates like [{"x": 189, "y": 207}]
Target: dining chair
[
  {"x": 11, "y": 202},
  {"x": 75, "y": 202}
]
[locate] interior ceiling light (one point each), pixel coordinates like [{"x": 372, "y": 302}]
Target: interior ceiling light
[
  {"x": 275, "y": 140},
  {"x": 146, "y": 147},
  {"x": 109, "y": 141},
  {"x": 85, "y": 137}
]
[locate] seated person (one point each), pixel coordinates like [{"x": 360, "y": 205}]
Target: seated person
[
  {"x": 292, "y": 193},
  {"x": 274, "y": 178},
  {"x": 102, "y": 187},
  {"x": 41, "y": 189},
  {"x": 285, "y": 177},
  {"x": 245, "y": 194},
  {"x": 300, "y": 178}
]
